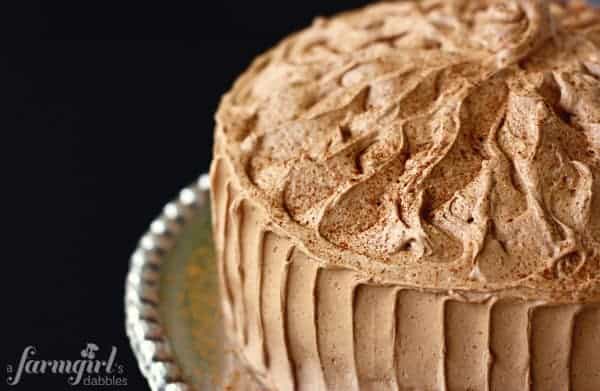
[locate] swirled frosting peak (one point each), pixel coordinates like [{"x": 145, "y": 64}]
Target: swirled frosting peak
[{"x": 456, "y": 143}]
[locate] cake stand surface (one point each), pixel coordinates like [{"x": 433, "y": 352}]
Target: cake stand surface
[{"x": 171, "y": 302}]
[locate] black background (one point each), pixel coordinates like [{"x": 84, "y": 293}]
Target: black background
[{"x": 106, "y": 111}]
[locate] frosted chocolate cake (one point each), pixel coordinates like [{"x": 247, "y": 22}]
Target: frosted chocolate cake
[{"x": 407, "y": 197}]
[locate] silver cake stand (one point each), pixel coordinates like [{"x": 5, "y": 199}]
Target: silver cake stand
[{"x": 171, "y": 301}]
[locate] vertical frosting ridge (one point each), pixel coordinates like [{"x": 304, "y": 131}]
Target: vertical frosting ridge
[
  {"x": 249, "y": 269},
  {"x": 420, "y": 342},
  {"x": 585, "y": 360},
  {"x": 467, "y": 353},
  {"x": 233, "y": 268},
  {"x": 509, "y": 345},
  {"x": 300, "y": 315},
  {"x": 277, "y": 252},
  {"x": 551, "y": 346},
  {"x": 220, "y": 205},
  {"x": 375, "y": 337},
  {"x": 335, "y": 332}
]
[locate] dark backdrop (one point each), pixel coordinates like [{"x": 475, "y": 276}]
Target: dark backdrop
[{"x": 106, "y": 112}]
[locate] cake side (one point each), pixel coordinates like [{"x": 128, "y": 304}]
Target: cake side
[
  {"x": 299, "y": 324},
  {"x": 435, "y": 144}
]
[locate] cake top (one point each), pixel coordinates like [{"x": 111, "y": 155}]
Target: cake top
[{"x": 445, "y": 144}]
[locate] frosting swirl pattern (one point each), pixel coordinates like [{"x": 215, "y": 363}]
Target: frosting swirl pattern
[{"x": 448, "y": 144}]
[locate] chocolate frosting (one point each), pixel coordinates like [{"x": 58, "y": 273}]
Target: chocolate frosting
[{"x": 433, "y": 144}]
